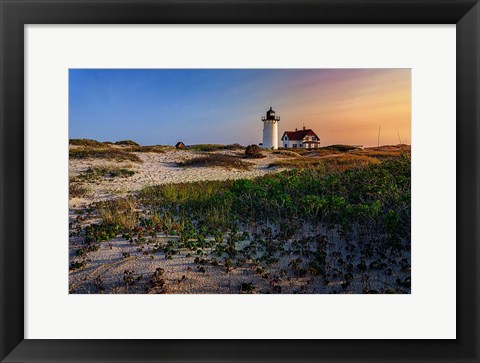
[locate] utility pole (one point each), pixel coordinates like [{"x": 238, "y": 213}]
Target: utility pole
[{"x": 378, "y": 135}]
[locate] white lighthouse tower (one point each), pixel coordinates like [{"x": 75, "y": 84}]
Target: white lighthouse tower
[{"x": 270, "y": 130}]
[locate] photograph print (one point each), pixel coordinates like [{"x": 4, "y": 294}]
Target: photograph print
[{"x": 239, "y": 181}]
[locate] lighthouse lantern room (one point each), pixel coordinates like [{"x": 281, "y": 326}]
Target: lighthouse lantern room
[{"x": 270, "y": 130}]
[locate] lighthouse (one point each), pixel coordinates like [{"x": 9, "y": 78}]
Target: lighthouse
[{"x": 270, "y": 130}]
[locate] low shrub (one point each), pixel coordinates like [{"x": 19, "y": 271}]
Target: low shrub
[
  {"x": 76, "y": 190},
  {"x": 247, "y": 287},
  {"x": 299, "y": 163},
  {"x": 254, "y": 151},
  {"x": 347, "y": 161},
  {"x": 94, "y": 173},
  {"x": 147, "y": 149},
  {"x": 103, "y": 153},
  {"x": 334, "y": 163},
  {"x": 381, "y": 153},
  {"x": 226, "y": 161},
  {"x": 215, "y": 147},
  {"x": 284, "y": 152},
  {"x": 127, "y": 142},
  {"x": 119, "y": 212},
  {"x": 342, "y": 148},
  {"x": 85, "y": 142}
]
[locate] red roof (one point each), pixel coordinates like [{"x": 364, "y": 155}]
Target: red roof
[{"x": 299, "y": 135}]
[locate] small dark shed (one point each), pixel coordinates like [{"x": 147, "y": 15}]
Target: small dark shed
[{"x": 180, "y": 145}]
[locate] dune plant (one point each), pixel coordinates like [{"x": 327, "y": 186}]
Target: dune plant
[
  {"x": 76, "y": 190},
  {"x": 104, "y": 152},
  {"x": 217, "y": 160},
  {"x": 128, "y": 277},
  {"x": 108, "y": 171},
  {"x": 118, "y": 212}
]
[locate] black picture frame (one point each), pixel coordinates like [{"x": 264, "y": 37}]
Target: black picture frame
[{"x": 16, "y": 13}]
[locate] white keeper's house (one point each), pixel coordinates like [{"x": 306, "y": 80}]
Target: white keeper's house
[{"x": 305, "y": 138}]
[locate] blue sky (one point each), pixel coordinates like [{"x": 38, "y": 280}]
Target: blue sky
[{"x": 163, "y": 106}]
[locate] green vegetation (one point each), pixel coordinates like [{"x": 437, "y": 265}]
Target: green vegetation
[
  {"x": 342, "y": 148},
  {"x": 382, "y": 154},
  {"x": 226, "y": 161},
  {"x": 215, "y": 147},
  {"x": 300, "y": 151},
  {"x": 357, "y": 195},
  {"x": 76, "y": 190},
  {"x": 286, "y": 153},
  {"x": 254, "y": 152},
  {"x": 118, "y": 212},
  {"x": 86, "y": 142},
  {"x": 159, "y": 149},
  {"x": 300, "y": 162},
  {"x": 333, "y": 163},
  {"x": 127, "y": 142},
  {"x": 247, "y": 288},
  {"x": 103, "y": 153},
  {"x": 95, "y": 173}
]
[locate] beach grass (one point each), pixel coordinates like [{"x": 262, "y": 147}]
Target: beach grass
[
  {"x": 108, "y": 153},
  {"x": 217, "y": 160},
  {"x": 107, "y": 171},
  {"x": 76, "y": 190},
  {"x": 215, "y": 147}
]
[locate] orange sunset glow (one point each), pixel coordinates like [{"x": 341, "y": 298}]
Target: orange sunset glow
[{"x": 348, "y": 106}]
